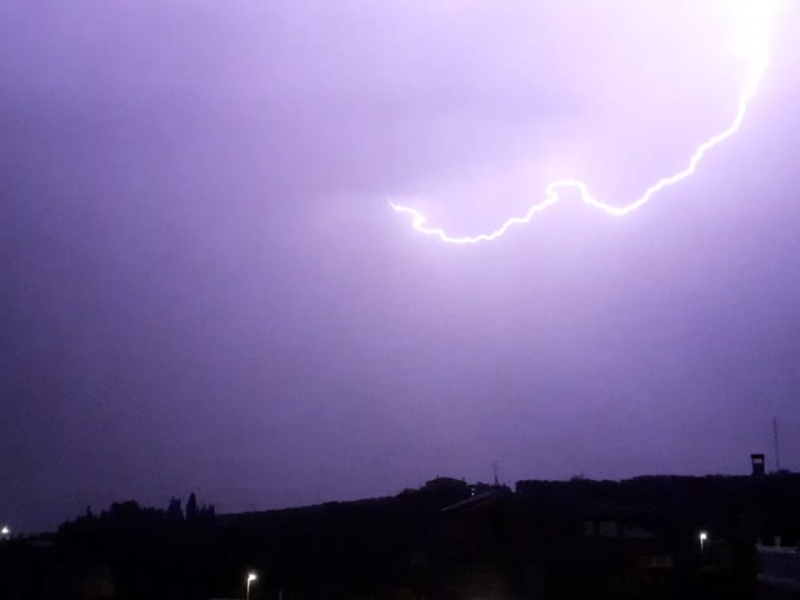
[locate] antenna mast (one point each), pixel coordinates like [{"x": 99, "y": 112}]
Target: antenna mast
[{"x": 775, "y": 435}]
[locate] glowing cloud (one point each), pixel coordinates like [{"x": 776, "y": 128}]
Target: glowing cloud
[{"x": 752, "y": 18}]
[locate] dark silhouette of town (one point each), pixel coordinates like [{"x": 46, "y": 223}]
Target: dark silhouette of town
[{"x": 646, "y": 537}]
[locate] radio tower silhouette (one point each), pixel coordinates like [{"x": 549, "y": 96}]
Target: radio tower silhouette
[{"x": 775, "y": 437}]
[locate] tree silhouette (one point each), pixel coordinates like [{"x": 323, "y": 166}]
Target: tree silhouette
[
  {"x": 174, "y": 511},
  {"x": 191, "y": 507}
]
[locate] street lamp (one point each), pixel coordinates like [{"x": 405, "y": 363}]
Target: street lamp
[
  {"x": 5, "y": 531},
  {"x": 251, "y": 577},
  {"x": 703, "y": 536}
]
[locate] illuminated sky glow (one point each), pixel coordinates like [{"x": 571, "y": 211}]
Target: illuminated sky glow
[
  {"x": 205, "y": 290},
  {"x": 752, "y": 18}
]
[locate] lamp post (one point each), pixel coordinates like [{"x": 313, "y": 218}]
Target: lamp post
[
  {"x": 251, "y": 577},
  {"x": 5, "y": 532},
  {"x": 703, "y": 537}
]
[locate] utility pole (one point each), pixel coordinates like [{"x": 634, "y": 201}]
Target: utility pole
[
  {"x": 494, "y": 464},
  {"x": 775, "y": 435}
]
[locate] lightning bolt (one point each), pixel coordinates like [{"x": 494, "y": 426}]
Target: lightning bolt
[{"x": 756, "y": 55}]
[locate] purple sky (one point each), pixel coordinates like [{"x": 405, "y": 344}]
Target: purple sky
[{"x": 202, "y": 286}]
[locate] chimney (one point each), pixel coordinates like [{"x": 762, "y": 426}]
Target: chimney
[{"x": 758, "y": 465}]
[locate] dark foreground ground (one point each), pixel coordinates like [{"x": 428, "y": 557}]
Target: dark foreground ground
[{"x": 448, "y": 540}]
